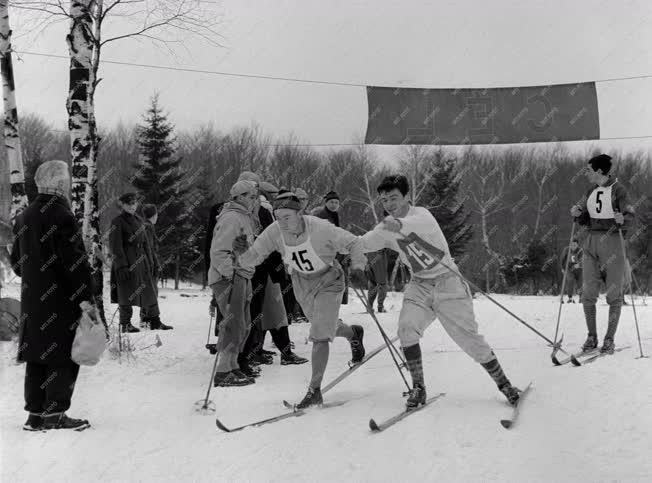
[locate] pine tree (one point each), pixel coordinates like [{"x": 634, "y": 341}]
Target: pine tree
[
  {"x": 442, "y": 199},
  {"x": 160, "y": 180}
]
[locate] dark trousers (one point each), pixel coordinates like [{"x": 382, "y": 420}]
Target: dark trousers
[
  {"x": 48, "y": 387},
  {"x": 380, "y": 290}
]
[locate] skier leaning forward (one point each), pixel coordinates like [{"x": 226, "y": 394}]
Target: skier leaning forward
[
  {"x": 309, "y": 246},
  {"x": 433, "y": 292}
]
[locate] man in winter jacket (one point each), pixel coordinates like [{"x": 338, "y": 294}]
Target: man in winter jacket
[
  {"x": 153, "y": 319},
  {"x": 131, "y": 269},
  {"x": 231, "y": 284},
  {"x": 49, "y": 255}
]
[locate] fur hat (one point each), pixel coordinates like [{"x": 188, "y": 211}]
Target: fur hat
[{"x": 242, "y": 187}]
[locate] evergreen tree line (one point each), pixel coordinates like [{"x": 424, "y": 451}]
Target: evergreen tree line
[{"x": 505, "y": 211}]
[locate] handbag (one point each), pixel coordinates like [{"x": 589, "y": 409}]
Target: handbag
[{"x": 89, "y": 342}]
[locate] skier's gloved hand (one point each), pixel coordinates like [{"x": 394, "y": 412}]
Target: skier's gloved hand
[
  {"x": 619, "y": 218},
  {"x": 123, "y": 274},
  {"x": 90, "y": 309},
  {"x": 240, "y": 243},
  {"x": 392, "y": 224},
  {"x": 575, "y": 211},
  {"x": 357, "y": 277}
]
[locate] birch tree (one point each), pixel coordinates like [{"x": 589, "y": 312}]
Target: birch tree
[{"x": 11, "y": 137}]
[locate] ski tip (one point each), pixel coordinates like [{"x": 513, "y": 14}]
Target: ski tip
[
  {"x": 506, "y": 423},
  {"x": 289, "y": 405},
  {"x": 555, "y": 361},
  {"x": 219, "y": 424},
  {"x": 373, "y": 425}
]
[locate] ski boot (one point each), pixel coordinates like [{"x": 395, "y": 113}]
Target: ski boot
[
  {"x": 61, "y": 421},
  {"x": 291, "y": 358},
  {"x": 231, "y": 379},
  {"x": 511, "y": 393},
  {"x": 128, "y": 328},
  {"x": 156, "y": 324},
  {"x": 590, "y": 344},
  {"x": 312, "y": 398},
  {"x": 144, "y": 323},
  {"x": 357, "y": 347},
  {"x": 416, "y": 398},
  {"x": 381, "y": 309},
  {"x": 266, "y": 352},
  {"x": 608, "y": 346},
  {"x": 262, "y": 359},
  {"x": 34, "y": 423}
]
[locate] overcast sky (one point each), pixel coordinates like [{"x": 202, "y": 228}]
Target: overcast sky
[{"x": 408, "y": 43}]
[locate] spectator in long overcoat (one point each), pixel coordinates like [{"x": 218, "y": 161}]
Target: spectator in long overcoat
[
  {"x": 49, "y": 255},
  {"x": 131, "y": 270}
]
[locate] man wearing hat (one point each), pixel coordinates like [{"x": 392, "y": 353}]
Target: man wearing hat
[
  {"x": 607, "y": 213},
  {"x": 231, "y": 282},
  {"x": 132, "y": 265},
  {"x": 330, "y": 212},
  {"x": 308, "y": 246}
]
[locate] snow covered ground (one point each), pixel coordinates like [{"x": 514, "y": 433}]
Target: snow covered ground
[{"x": 589, "y": 424}]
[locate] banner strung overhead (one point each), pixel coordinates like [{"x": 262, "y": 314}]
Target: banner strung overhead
[{"x": 563, "y": 112}]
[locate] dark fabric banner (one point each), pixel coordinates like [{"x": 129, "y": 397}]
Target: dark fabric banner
[{"x": 564, "y": 112}]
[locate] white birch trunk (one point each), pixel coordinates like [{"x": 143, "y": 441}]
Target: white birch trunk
[
  {"x": 81, "y": 123},
  {"x": 14, "y": 157}
]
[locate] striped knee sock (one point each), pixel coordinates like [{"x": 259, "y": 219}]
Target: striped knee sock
[
  {"x": 496, "y": 372},
  {"x": 589, "y": 314},
  {"x": 414, "y": 363},
  {"x": 614, "y": 317}
]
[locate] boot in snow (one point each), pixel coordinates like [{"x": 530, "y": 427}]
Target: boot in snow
[
  {"x": 291, "y": 358},
  {"x": 590, "y": 344},
  {"x": 312, "y": 398},
  {"x": 511, "y": 393},
  {"x": 34, "y": 423},
  {"x": 231, "y": 379},
  {"x": 156, "y": 324},
  {"x": 61, "y": 421},
  {"x": 608, "y": 346},
  {"x": 417, "y": 397},
  {"x": 357, "y": 347}
]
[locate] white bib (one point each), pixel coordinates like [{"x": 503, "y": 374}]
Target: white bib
[
  {"x": 599, "y": 203},
  {"x": 303, "y": 258}
]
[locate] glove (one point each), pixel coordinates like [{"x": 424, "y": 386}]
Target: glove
[
  {"x": 90, "y": 309},
  {"x": 358, "y": 277},
  {"x": 392, "y": 224},
  {"x": 619, "y": 218},
  {"x": 575, "y": 211},
  {"x": 123, "y": 274},
  {"x": 240, "y": 244}
]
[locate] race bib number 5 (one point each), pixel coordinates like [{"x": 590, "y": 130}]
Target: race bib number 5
[{"x": 420, "y": 254}]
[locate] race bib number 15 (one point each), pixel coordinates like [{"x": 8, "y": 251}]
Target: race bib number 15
[{"x": 421, "y": 254}]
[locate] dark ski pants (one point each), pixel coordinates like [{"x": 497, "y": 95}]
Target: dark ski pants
[
  {"x": 49, "y": 387},
  {"x": 573, "y": 281}
]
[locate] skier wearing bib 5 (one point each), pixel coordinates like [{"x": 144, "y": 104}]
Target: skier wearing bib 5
[
  {"x": 309, "y": 246},
  {"x": 433, "y": 292},
  {"x": 607, "y": 212}
]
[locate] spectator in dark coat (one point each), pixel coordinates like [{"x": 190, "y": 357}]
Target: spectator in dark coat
[
  {"x": 150, "y": 216},
  {"x": 49, "y": 255},
  {"x": 574, "y": 273},
  {"x": 131, "y": 270},
  {"x": 376, "y": 272},
  {"x": 330, "y": 212}
]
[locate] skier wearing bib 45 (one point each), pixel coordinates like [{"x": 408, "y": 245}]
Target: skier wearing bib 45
[
  {"x": 309, "y": 246},
  {"x": 433, "y": 292},
  {"x": 607, "y": 212}
]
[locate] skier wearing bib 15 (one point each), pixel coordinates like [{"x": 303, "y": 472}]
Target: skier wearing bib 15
[
  {"x": 309, "y": 246},
  {"x": 606, "y": 211},
  {"x": 433, "y": 292}
]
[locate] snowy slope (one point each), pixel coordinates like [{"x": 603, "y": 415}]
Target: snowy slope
[{"x": 588, "y": 424}]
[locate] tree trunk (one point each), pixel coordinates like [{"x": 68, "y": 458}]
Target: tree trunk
[
  {"x": 177, "y": 264},
  {"x": 12, "y": 140}
]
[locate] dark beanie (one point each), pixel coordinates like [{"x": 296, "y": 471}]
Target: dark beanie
[
  {"x": 287, "y": 201},
  {"x": 331, "y": 195},
  {"x": 149, "y": 210},
  {"x": 602, "y": 162},
  {"x": 128, "y": 197}
]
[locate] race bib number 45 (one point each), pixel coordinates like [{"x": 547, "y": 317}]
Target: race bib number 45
[{"x": 420, "y": 254}]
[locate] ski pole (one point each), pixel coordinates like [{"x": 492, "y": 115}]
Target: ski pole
[
  {"x": 638, "y": 334},
  {"x": 563, "y": 287},
  {"x": 384, "y": 335}
]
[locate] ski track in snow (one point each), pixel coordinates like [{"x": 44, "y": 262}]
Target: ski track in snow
[{"x": 590, "y": 424}]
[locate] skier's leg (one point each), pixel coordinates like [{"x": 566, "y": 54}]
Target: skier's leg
[
  {"x": 615, "y": 266},
  {"x": 382, "y": 294},
  {"x": 320, "y": 352},
  {"x": 591, "y": 281}
]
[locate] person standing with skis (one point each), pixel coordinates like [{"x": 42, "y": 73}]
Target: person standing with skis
[
  {"x": 607, "y": 213},
  {"x": 434, "y": 291},
  {"x": 309, "y": 247},
  {"x": 574, "y": 273}
]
